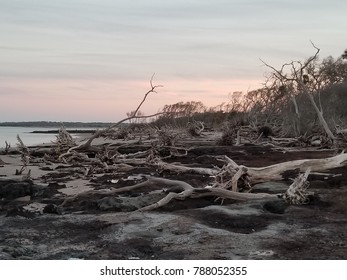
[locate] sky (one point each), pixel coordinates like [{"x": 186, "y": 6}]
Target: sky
[{"x": 92, "y": 60}]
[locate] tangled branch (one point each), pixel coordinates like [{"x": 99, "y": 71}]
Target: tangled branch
[{"x": 88, "y": 144}]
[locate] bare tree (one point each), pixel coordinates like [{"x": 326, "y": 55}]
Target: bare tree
[
  {"x": 299, "y": 79},
  {"x": 88, "y": 144}
]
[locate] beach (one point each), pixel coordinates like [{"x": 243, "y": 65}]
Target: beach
[
  {"x": 73, "y": 210},
  {"x": 36, "y": 135}
]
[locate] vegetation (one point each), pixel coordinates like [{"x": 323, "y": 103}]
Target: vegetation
[
  {"x": 287, "y": 110},
  {"x": 302, "y": 99},
  {"x": 180, "y": 163}
]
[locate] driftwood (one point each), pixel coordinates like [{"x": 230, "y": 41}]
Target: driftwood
[
  {"x": 276, "y": 171},
  {"x": 273, "y": 172},
  {"x": 297, "y": 192},
  {"x": 231, "y": 181},
  {"x": 87, "y": 145},
  {"x": 182, "y": 190},
  {"x": 227, "y": 179},
  {"x": 189, "y": 191}
]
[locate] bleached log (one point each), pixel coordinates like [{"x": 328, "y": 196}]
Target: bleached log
[
  {"x": 275, "y": 172},
  {"x": 190, "y": 192},
  {"x": 227, "y": 194},
  {"x": 268, "y": 173},
  {"x": 185, "y": 169},
  {"x": 296, "y": 192},
  {"x": 187, "y": 191}
]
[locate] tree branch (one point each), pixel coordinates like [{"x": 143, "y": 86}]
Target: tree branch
[{"x": 97, "y": 134}]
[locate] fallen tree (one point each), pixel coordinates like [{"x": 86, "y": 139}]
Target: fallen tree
[
  {"x": 230, "y": 181},
  {"x": 275, "y": 172},
  {"x": 87, "y": 145}
]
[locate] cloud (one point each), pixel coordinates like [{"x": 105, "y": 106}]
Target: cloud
[{"x": 57, "y": 48}]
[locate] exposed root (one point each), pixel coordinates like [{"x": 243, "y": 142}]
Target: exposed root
[{"x": 297, "y": 192}]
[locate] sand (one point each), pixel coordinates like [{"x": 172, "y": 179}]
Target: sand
[{"x": 34, "y": 225}]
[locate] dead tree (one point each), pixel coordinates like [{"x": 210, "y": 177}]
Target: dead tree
[
  {"x": 229, "y": 175},
  {"x": 25, "y": 156},
  {"x": 87, "y": 146},
  {"x": 300, "y": 80},
  {"x": 232, "y": 181}
]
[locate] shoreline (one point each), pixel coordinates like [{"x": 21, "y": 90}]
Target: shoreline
[
  {"x": 71, "y": 131},
  {"x": 35, "y": 136}
]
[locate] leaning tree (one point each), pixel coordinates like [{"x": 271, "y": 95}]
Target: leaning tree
[{"x": 302, "y": 78}]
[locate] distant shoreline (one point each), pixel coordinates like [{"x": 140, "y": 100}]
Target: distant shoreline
[
  {"x": 47, "y": 124},
  {"x": 73, "y": 131}
]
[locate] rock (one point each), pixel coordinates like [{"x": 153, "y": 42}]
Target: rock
[
  {"x": 52, "y": 209},
  {"x": 12, "y": 189},
  {"x": 109, "y": 203},
  {"x": 19, "y": 211},
  {"x": 23, "y": 198},
  {"x": 275, "y": 206},
  {"x": 270, "y": 187}
]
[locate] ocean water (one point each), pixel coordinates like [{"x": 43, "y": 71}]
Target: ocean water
[{"x": 9, "y": 134}]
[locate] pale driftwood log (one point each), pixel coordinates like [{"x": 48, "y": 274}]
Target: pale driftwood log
[
  {"x": 275, "y": 172},
  {"x": 190, "y": 192},
  {"x": 295, "y": 194},
  {"x": 226, "y": 194},
  {"x": 264, "y": 174},
  {"x": 185, "y": 169},
  {"x": 187, "y": 191}
]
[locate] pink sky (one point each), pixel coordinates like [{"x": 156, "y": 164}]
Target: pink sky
[
  {"x": 99, "y": 100},
  {"x": 91, "y": 60}
]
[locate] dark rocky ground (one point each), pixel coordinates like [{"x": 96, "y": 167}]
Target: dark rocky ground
[{"x": 95, "y": 226}]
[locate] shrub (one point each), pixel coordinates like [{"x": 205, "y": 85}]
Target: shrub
[{"x": 229, "y": 134}]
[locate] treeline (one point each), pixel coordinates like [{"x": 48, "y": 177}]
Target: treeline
[
  {"x": 296, "y": 99},
  {"x": 181, "y": 113},
  {"x": 56, "y": 124}
]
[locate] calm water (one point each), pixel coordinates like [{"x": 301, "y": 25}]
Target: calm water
[{"x": 9, "y": 134}]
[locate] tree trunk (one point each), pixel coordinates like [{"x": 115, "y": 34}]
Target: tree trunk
[
  {"x": 320, "y": 116},
  {"x": 297, "y": 126}
]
